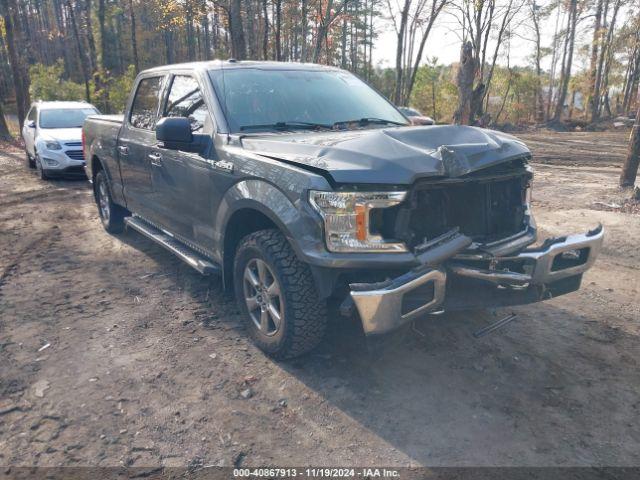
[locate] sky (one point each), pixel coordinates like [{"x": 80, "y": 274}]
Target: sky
[{"x": 444, "y": 41}]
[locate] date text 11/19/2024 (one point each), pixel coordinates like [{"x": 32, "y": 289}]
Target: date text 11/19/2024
[{"x": 310, "y": 472}]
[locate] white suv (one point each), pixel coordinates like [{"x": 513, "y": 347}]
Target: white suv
[{"x": 52, "y": 136}]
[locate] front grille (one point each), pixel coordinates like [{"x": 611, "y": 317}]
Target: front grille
[
  {"x": 73, "y": 144},
  {"x": 484, "y": 211},
  {"x": 486, "y": 208},
  {"x": 75, "y": 154}
]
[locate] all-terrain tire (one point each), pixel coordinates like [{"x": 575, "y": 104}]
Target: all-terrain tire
[
  {"x": 111, "y": 215},
  {"x": 304, "y": 321}
]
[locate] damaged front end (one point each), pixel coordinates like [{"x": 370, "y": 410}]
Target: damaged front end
[{"x": 472, "y": 238}]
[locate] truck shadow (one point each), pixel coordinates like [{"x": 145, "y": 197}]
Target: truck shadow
[
  {"x": 554, "y": 388},
  {"x": 558, "y": 386}
]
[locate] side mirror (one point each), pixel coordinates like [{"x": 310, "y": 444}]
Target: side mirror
[
  {"x": 31, "y": 124},
  {"x": 174, "y": 132}
]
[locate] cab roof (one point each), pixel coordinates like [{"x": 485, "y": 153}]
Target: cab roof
[
  {"x": 234, "y": 64},
  {"x": 42, "y": 105}
]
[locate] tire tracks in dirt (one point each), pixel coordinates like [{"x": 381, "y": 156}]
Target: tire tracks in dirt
[{"x": 53, "y": 234}]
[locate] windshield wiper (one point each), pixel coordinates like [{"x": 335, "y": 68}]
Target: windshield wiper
[
  {"x": 286, "y": 126},
  {"x": 369, "y": 120}
]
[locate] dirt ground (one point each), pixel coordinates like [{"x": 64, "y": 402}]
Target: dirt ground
[{"x": 113, "y": 352}]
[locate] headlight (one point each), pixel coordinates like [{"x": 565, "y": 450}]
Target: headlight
[
  {"x": 346, "y": 220},
  {"x": 52, "y": 145}
]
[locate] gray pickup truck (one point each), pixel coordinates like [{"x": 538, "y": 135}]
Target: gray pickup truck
[{"x": 299, "y": 183}]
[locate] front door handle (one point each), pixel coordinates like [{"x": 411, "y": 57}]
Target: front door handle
[
  {"x": 123, "y": 149},
  {"x": 156, "y": 159}
]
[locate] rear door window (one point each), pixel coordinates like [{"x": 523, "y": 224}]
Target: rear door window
[
  {"x": 144, "y": 109},
  {"x": 185, "y": 100}
]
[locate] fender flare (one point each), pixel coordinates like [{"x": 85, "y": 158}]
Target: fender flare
[
  {"x": 300, "y": 225},
  {"x": 295, "y": 219}
]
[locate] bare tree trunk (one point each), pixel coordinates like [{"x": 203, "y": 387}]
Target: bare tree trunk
[
  {"x": 238, "y": 46},
  {"x": 305, "y": 30},
  {"x": 265, "y": 38},
  {"x": 168, "y": 44},
  {"x": 630, "y": 167},
  {"x": 207, "y": 36},
  {"x": 400, "y": 46},
  {"x": 134, "y": 41},
  {"x": 343, "y": 44},
  {"x": 632, "y": 81},
  {"x": 567, "y": 59},
  {"x": 4, "y": 129},
  {"x": 552, "y": 74},
  {"x": 572, "y": 104},
  {"x": 464, "y": 82},
  {"x": 252, "y": 49},
  {"x": 539, "y": 101},
  {"x": 18, "y": 70},
  {"x": 81, "y": 56},
  {"x": 507, "y": 16},
  {"x": 433, "y": 97},
  {"x": 326, "y": 19},
  {"x": 436, "y": 8},
  {"x": 504, "y": 98},
  {"x": 278, "y": 30},
  {"x": 607, "y": 58},
  {"x": 593, "y": 67},
  {"x": 103, "y": 33},
  {"x": 90, "y": 40}
]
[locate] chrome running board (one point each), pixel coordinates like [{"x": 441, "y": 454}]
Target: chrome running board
[{"x": 179, "y": 249}]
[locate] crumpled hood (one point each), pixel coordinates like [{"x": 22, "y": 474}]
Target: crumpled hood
[{"x": 391, "y": 155}]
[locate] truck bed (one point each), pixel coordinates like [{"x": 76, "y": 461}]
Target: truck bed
[
  {"x": 107, "y": 118},
  {"x": 100, "y": 134}
]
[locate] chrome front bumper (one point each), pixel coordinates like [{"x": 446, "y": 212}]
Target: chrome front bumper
[{"x": 384, "y": 307}]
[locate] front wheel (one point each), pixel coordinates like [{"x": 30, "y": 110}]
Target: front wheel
[
  {"x": 30, "y": 162},
  {"x": 111, "y": 215},
  {"x": 277, "y": 295},
  {"x": 40, "y": 169}
]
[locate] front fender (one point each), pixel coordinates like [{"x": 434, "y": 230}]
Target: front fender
[{"x": 294, "y": 217}]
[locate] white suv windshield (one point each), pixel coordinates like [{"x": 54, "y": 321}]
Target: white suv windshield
[
  {"x": 257, "y": 99},
  {"x": 64, "y": 117}
]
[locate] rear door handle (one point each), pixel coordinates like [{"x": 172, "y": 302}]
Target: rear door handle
[
  {"x": 156, "y": 159},
  {"x": 123, "y": 149}
]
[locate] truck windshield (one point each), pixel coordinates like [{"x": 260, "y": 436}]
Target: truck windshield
[
  {"x": 64, "y": 117},
  {"x": 260, "y": 100}
]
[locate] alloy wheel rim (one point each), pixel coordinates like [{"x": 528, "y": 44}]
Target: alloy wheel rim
[
  {"x": 103, "y": 200},
  {"x": 263, "y": 297}
]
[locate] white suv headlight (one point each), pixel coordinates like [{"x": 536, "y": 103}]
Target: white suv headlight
[
  {"x": 52, "y": 145},
  {"x": 346, "y": 220}
]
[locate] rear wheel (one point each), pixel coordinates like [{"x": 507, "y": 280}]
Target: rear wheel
[
  {"x": 277, "y": 295},
  {"x": 111, "y": 215}
]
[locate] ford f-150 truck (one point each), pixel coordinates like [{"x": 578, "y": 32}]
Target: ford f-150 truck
[{"x": 299, "y": 183}]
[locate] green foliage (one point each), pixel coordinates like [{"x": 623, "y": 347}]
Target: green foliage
[
  {"x": 119, "y": 88},
  {"x": 47, "y": 83},
  {"x": 384, "y": 79},
  {"x": 434, "y": 92}
]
